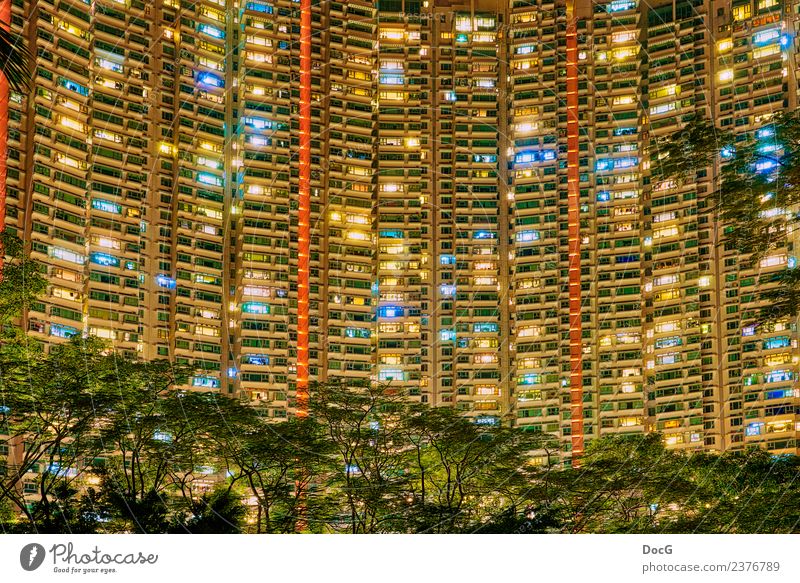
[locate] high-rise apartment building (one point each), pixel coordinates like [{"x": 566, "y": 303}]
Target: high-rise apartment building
[{"x": 154, "y": 170}]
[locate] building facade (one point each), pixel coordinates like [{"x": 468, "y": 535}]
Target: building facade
[{"x": 154, "y": 170}]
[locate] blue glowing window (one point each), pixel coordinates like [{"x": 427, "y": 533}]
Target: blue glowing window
[
  {"x": 782, "y": 394},
  {"x": 256, "y": 359},
  {"x": 777, "y": 342},
  {"x": 259, "y": 7},
  {"x": 778, "y": 376},
  {"x": 603, "y": 196},
  {"x": 391, "y": 234},
  {"x": 620, "y": 5},
  {"x": 462, "y": 38},
  {"x": 255, "y": 308},
  {"x": 232, "y": 372},
  {"x": 484, "y": 235},
  {"x": 487, "y": 421},
  {"x": 447, "y": 289},
  {"x": 72, "y": 86},
  {"x": 390, "y": 312},
  {"x": 447, "y": 335},
  {"x": 208, "y": 178},
  {"x": 765, "y": 132},
  {"x": 450, "y": 95},
  {"x": 165, "y": 281},
  {"x": 212, "y": 80},
  {"x": 257, "y": 123},
  {"x": 669, "y": 342},
  {"x": 485, "y": 158},
  {"x": 387, "y": 79},
  {"x": 104, "y": 259},
  {"x": 754, "y": 429},
  {"x": 485, "y": 327},
  {"x": 106, "y": 205},
  {"x": 447, "y": 259},
  {"x": 766, "y": 37},
  {"x": 625, "y": 131},
  {"x": 211, "y": 31},
  {"x": 391, "y": 374},
  {"x": 357, "y": 332},
  {"x": 205, "y": 382},
  {"x": 529, "y": 379},
  {"x": 62, "y": 331},
  {"x": 528, "y": 236}
]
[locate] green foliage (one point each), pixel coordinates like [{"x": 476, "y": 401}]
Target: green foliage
[
  {"x": 22, "y": 280},
  {"x": 757, "y": 208}
]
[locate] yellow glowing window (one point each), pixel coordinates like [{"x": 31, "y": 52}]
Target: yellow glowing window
[
  {"x": 66, "y": 294},
  {"x": 390, "y": 327},
  {"x": 485, "y": 343},
  {"x": 358, "y": 170},
  {"x": 528, "y": 283},
  {"x": 393, "y": 249},
  {"x": 389, "y": 281},
  {"x": 665, "y": 232},
  {"x": 671, "y": 326},
  {"x": 391, "y": 265},
  {"x": 210, "y": 213},
  {"x": 601, "y": 56},
  {"x": 779, "y": 426},
  {"x": 71, "y": 162},
  {"x": 209, "y": 63},
  {"x": 606, "y": 340},
  {"x": 487, "y": 390},
  {"x": 767, "y": 51},
  {"x": 485, "y": 358},
  {"x": 392, "y": 95},
  {"x": 258, "y": 291},
  {"x": 724, "y": 45},
  {"x": 528, "y": 110},
  {"x": 763, "y": 4},
  {"x": 106, "y": 242},
  {"x": 167, "y": 149},
  {"x": 485, "y": 280},
  {"x": 412, "y": 142},
  {"x": 624, "y": 100},
  {"x": 742, "y": 12},
  {"x": 526, "y": 331},
  {"x": 483, "y": 37},
  {"x": 484, "y": 265},
  {"x": 206, "y": 330},
  {"x": 529, "y": 362},
  {"x": 391, "y": 34},
  {"x": 526, "y": 127},
  {"x": 391, "y": 187},
  {"x": 211, "y": 147},
  {"x": 630, "y": 421},
  {"x": 622, "y": 37},
  {"x": 257, "y": 57},
  {"x": 670, "y": 294},
  {"x": 626, "y": 338},
  {"x": 526, "y": 64},
  {"x": 212, "y": 14},
  {"x": 357, "y": 268},
  {"x": 773, "y": 260},
  {"x": 391, "y": 359},
  {"x": 672, "y": 424},
  {"x": 774, "y": 359},
  {"x": 259, "y": 41},
  {"x": 358, "y": 236},
  {"x": 413, "y": 327},
  {"x": 106, "y": 333},
  {"x": 666, "y": 91},
  {"x": 725, "y": 75},
  {"x": 72, "y": 124},
  {"x": 72, "y": 29},
  {"x": 674, "y": 439}
]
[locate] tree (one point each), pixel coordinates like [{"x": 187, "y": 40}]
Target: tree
[
  {"x": 363, "y": 425},
  {"x": 218, "y": 512},
  {"x": 756, "y": 194}
]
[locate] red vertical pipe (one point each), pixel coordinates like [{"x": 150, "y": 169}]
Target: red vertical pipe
[
  {"x": 573, "y": 202},
  {"x": 5, "y": 22},
  {"x": 304, "y": 212}
]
